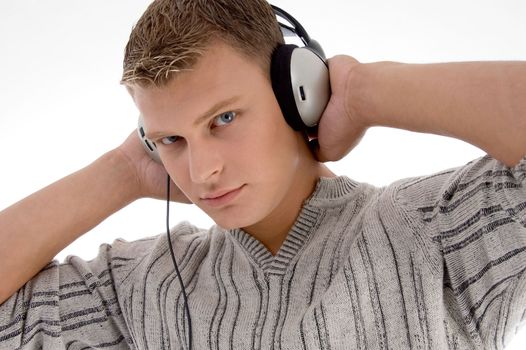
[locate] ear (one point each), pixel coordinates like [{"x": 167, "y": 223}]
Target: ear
[{"x": 300, "y": 80}]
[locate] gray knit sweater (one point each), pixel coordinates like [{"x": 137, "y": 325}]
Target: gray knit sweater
[{"x": 434, "y": 262}]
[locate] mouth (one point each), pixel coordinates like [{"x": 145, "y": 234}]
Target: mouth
[{"x": 222, "y": 197}]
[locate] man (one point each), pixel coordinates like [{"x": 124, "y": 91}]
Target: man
[{"x": 300, "y": 258}]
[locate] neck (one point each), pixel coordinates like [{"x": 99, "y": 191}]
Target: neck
[{"x": 273, "y": 230}]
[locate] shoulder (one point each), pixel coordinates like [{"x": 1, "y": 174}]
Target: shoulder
[
  {"x": 480, "y": 182},
  {"x": 184, "y": 233},
  {"x": 459, "y": 204},
  {"x": 132, "y": 260}
]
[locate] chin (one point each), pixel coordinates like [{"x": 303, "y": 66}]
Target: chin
[
  {"x": 233, "y": 220},
  {"x": 229, "y": 224}
]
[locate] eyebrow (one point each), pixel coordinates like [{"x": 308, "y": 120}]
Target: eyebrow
[{"x": 210, "y": 112}]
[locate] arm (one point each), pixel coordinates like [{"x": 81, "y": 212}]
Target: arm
[
  {"x": 482, "y": 103},
  {"x": 35, "y": 229}
]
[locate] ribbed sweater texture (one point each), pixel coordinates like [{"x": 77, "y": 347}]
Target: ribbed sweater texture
[{"x": 431, "y": 262}]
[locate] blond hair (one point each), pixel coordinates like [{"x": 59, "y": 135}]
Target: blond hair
[{"x": 171, "y": 35}]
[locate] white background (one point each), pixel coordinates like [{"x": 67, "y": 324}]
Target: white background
[{"x": 62, "y": 105}]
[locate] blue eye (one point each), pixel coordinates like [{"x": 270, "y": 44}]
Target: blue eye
[
  {"x": 169, "y": 140},
  {"x": 224, "y": 118}
]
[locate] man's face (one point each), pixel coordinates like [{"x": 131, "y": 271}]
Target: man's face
[{"x": 223, "y": 139}]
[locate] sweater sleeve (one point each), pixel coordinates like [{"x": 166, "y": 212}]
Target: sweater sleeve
[
  {"x": 474, "y": 218},
  {"x": 72, "y": 305}
]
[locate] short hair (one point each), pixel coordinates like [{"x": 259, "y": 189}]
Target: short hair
[{"x": 171, "y": 35}]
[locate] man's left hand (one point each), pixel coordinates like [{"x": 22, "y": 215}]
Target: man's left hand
[{"x": 339, "y": 129}]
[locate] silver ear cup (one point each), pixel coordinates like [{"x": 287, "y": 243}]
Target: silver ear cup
[
  {"x": 309, "y": 76},
  {"x": 148, "y": 145}
]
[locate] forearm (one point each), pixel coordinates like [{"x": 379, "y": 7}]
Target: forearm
[
  {"x": 36, "y": 228},
  {"x": 483, "y": 103}
]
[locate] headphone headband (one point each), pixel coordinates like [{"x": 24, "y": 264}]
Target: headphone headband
[
  {"x": 297, "y": 27},
  {"x": 298, "y": 30}
]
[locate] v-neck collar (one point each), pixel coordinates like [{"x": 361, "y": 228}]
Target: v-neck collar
[{"x": 306, "y": 223}]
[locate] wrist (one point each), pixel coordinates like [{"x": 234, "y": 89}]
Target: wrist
[
  {"x": 365, "y": 89},
  {"x": 356, "y": 107},
  {"x": 119, "y": 170}
]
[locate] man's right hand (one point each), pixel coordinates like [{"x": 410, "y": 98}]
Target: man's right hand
[{"x": 150, "y": 175}]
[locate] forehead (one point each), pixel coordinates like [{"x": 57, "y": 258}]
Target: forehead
[{"x": 221, "y": 73}]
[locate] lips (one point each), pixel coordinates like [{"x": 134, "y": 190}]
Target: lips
[
  {"x": 218, "y": 194},
  {"x": 221, "y": 197}
]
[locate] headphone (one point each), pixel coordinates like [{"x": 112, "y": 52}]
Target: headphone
[
  {"x": 300, "y": 81},
  {"x": 300, "y": 76}
]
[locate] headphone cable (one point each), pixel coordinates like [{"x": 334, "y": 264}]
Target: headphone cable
[{"x": 187, "y": 310}]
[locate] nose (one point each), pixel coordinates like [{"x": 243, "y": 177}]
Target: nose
[{"x": 204, "y": 162}]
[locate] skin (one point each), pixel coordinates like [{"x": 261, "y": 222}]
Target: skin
[{"x": 255, "y": 152}]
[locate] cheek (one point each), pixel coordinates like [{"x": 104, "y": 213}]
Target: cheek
[
  {"x": 270, "y": 148},
  {"x": 264, "y": 139},
  {"x": 178, "y": 171}
]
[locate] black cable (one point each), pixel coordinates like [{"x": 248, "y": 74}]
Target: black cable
[{"x": 187, "y": 310}]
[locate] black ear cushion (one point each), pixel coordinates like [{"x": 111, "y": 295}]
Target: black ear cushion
[{"x": 282, "y": 85}]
